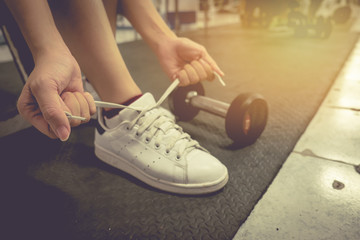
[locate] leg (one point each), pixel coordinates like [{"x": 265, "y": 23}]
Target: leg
[
  {"x": 86, "y": 30},
  {"x": 146, "y": 143},
  {"x": 111, "y": 7}
]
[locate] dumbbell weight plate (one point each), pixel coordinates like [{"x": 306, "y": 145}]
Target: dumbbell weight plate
[
  {"x": 246, "y": 118},
  {"x": 324, "y": 27},
  {"x": 297, "y": 21},
  {"x": 342, "y": 14},
  {"x": 178, "y": 105}
]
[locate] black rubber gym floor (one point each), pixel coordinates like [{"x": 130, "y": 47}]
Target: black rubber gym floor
[{"x": 55, "y": 190}]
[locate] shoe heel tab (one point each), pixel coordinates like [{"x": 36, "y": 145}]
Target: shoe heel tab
[
  {"x": 100, "y": 123},
  {"x": 99, "y": 128}
]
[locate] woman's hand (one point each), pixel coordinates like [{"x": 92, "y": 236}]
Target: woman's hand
[
  {"x": 186, "y": 60},
  {"x": 53, "y": 87}
]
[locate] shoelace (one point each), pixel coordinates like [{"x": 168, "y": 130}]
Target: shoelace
[
  {"x": 152, "y": 120},
  {"x": 171, "y": 88},
  {"x": 157, "y": 123}
]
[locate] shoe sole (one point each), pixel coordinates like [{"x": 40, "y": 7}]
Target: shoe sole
[{"x": 190, "y": 189}]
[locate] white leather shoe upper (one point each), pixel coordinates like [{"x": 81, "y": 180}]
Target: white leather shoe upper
[{"x": 149, "y": 145}]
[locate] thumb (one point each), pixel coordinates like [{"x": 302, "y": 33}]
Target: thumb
[{"x": 54, "y": 119}]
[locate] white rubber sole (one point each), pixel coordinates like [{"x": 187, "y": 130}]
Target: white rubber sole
[{"x": 189, "y": 189}]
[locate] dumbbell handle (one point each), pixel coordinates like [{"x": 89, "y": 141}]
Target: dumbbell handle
[{"x": 207, "y": 104}]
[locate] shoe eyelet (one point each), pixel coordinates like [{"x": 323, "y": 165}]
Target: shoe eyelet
[
  {"x": 178, "y": 157},
  {"x": 167, "y": 151},
  {"x": 147, "y": 140},
  {"x": 157, "y": 145},
  {"x": 137, "y": 134}
]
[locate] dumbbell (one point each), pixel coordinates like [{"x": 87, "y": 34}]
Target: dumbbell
[
  {"x": 245, "y": 117},
  {"x": 319, "y": 27},
  {"x": 323, "y": 27},
  {"x": 298, "y": 22}
]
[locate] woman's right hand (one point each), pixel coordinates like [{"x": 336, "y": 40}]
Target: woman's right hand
[{"x": 55, "y": 86}]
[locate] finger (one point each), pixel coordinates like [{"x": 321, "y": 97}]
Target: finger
[
  {"x": 213, "y": 64},
  {"x": 90, "y": 100},
  {"x": 30, "y": 111},
  {"x": 191, "y": 73},
  {"x": 73, "y": 106},
  {"x": 209, "y": 71},
  {"x": 84, "y": 106},
  {"x": 51, "y": 112},
  {"x": 183, "y": 78},
  {"x": 200, "y": 70}
]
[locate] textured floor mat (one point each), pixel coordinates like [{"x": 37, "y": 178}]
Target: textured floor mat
[{"x": 62, "y": 191}]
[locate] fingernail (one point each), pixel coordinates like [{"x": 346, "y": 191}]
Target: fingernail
[
  {"x": 62, "y": 133},
  {"x": 174, "y": 77}
]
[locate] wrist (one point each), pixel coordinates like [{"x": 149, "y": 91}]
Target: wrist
[
  {"x": 50, "y": 48},
  {"x": 162, "y": 42}
]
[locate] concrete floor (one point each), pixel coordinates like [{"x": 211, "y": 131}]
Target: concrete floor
[{"x": 316, "y": 194}]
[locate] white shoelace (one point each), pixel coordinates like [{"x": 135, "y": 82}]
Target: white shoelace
[
  {"x": 157, "y": 124},
  {"x": 171, "y": 88},
  {"x": 160, "y": 127}
]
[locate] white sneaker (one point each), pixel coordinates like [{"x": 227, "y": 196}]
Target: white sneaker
[{"x": 144, "y": 141}]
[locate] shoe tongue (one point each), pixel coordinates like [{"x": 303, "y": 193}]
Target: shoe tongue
[
  {"x": 128, "y": 114},
  {"x": 146, "y": 99}
]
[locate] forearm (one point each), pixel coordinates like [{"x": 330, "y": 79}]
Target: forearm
[
  {"x": 37, "y": 25},
  {"x": 146, "y": 20}
]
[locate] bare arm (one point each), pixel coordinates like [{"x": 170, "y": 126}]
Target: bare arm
[
  {"x": 37, "y": 25},
  {"x": 147, "y": 21},
  {"x": 54, "y": 86},
  {"x": 179, "y": 57}
]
